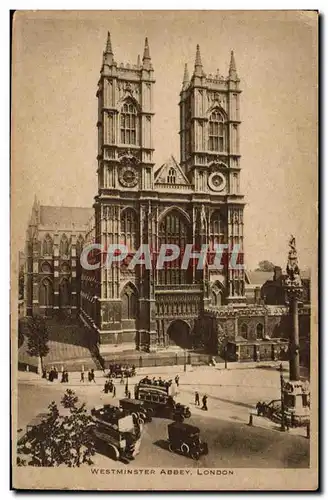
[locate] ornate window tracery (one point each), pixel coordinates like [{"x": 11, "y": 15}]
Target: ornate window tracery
[
  {"x": 173, "y": 229},
  {"x": 64, "y": 292},
  {"x": 217, "y": 132},
  {"x": 244, "y": 330},
  {"x": 46, "y": 293},
  {"x": 129, "y": 303},
  {"x": 128, "y": 124},
  {"x": 129, "y": 229},
  {"x": 259, "y": 331},
  {"x": 47, "y": 247},
  {"x": 64, "y": 246}
]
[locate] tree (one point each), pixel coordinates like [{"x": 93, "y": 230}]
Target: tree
[
  {"x": 59, "y": 439},
  {"x": 37, "y": 341},
  {"x": 265, "y": 265}
]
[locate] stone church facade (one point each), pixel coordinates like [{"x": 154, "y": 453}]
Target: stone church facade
[{"x": 195, "y": 201}]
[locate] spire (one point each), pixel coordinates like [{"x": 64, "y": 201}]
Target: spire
[
  {"x": 232, "y": 68},
  {"x": 185, "y": 77},
  {"x": 109, "y": 49},
  {"x": 198, "y": 63},
  {"x": 146, "y": 56}
]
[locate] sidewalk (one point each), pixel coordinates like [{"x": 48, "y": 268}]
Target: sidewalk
[{"x": 169, "y": 371}]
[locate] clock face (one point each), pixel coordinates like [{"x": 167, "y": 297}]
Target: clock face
[
  {"x": 217, "y": 181},
  {"x": 128, "y": 176}
]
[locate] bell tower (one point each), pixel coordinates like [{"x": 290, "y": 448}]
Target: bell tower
[
  {"x": 210, "y": 157},
  {"x": 123, "y": 301},
  {"x": 125, "y": 101}
]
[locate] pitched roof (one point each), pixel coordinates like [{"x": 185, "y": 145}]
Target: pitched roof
[
  {"x": 162, "y": 173},
  {"x": 65, "y": 217}
]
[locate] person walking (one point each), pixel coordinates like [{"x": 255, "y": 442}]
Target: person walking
[
  {"x": 82, "y": 375},
  {"x": 204, "y": 400},
  {"x": 114, "y": 391},
  {"x": 177, "y": 378},
  {"x": 92, "y": 377},
  {"x": 126, "y": 390},
  {"x": 197, "y": 402}
]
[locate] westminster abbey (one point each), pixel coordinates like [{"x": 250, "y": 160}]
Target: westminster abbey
[{"x": 196, "y": 200}]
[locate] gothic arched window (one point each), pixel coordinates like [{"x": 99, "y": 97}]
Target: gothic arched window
[
  {"x": 129, "y": 303},
  {"x": 217, "y": 229},
  {"x": 64, "y": 292},
  {"x": 171, "y": 178},
  {"x": 128, "y": 124},
  {"x": 259, "y": 331},
  {"x": 46, "y": 268},
  {"x": 46, "y": 293},
  {"x": 216, "y": 132},
  {"x": 129, "y": 229},
  {"x": 79, "y": 245},
  {"x": 64, "y": 246},
  {"x": 47, "y": 245},
  {"x": 173, "y": 229},
  {"x": 244, "y": 330}
]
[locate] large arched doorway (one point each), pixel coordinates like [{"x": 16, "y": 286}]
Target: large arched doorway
[{"x": 178, "y": 333}]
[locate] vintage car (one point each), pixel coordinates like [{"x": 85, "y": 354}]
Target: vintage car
[
  {"x": 137, "y": 409},
  {"x": 118, "y": 371},
  {"x": 184, "y": 438}
]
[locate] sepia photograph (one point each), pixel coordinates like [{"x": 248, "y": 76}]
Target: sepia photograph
[{"x": 164, "y": 250}]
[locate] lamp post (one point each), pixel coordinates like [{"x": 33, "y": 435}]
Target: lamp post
[{"x": 185, "y": 361}]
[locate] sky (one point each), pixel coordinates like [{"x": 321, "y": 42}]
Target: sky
[{"x": 56, "y": 62}]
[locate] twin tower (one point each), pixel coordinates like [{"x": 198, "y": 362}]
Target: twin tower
[{"x": 195, "y": 201}]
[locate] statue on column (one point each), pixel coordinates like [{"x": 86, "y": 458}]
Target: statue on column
[{"x": 292, "y": 269}]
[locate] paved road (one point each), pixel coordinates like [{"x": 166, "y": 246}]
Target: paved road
[{"x": 231, "y": 443}]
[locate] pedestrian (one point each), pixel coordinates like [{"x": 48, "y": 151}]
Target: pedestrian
[
  {"x": 92, "y": 376},
  {"x": 82, "y": 375},
  {"x": 126, "y": 389},
  {"x": 122, "y": 379},
  {"x": 62, "y": 377},
  {"x": 106, "y": 387},
  {"x": 197, "y": 403},
  {"x": 51, "y": 376},
  {"x": 66, "y": 376},
  {"x": 177, "y": 378},
  {"x": 204, "y": 400},
  {"x": 55, "y": 373},
  {"x": 114, "y": 391},
  {"x": 129, "y": 395},
  {"x": 44, "y": 373}
]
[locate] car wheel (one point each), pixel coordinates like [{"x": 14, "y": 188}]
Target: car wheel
[
  {"x": 195, "y": 455},
  {"x": 184, "y": 448}
]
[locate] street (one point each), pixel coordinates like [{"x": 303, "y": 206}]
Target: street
[{"x": 231, "y": 396}]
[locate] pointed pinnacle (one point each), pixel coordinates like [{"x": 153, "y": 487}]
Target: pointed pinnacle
[
  {"x": 146, "y": 54},
  {"x": 198, "y": 61},
  {"x": 185, "y": 76},
  {"x": 109, "y": 49},
  {"x": 232, "y": 66}
]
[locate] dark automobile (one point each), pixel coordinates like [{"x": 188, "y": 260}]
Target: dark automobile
[
  {"x": 119, "y": 371},
  {"x": 137, "y": 409},
  {"x": 184, "y": 438}
]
